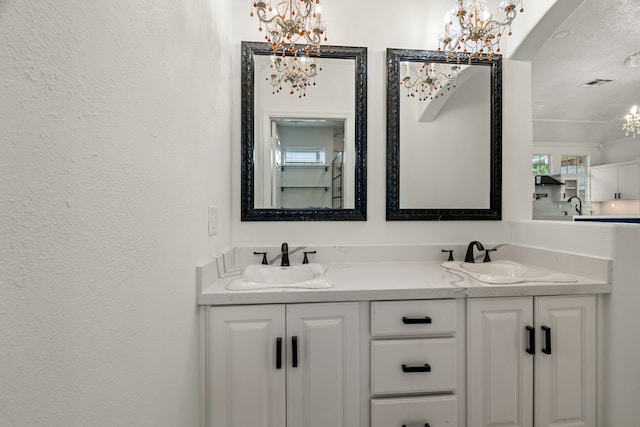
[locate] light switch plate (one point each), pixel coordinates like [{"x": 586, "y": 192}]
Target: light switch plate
[{"x": 213, "y": 220}]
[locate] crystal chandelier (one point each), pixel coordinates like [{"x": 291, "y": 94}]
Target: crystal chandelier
[
  {"x": 296, "y": 72},
  {"x": 290, "y": 22},
  {"x": 470, "y": 28},
  {"x": 429, "y": 80},
  {"x": 631, "y": 126}
]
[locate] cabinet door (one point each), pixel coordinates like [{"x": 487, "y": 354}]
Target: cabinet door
[
  {"x": 500, "y": 371},
  {"x": 565, "y": 369},
  {"x": 323, "y": 389},
  {"x": 604, "y": 184},
  {"x": 246, "y": 388},
  {"x": 629, "y": 182}
]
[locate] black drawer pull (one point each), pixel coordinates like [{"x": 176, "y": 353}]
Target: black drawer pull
[
  {"x": 413, "y": 320},
  {"x": 547, "y": 339},
  {"x": 425, "y": 368},
  {"x": 425, "y": 425},
  {"x": 532, "y": 340},
  {"x": 294, "y": 351},
  {"x": 278, "y": 353}
]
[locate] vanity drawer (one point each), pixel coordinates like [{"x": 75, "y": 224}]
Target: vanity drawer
[
  {"x": 437, "y": 411},
  {"x": 413, "y": 366},
  {"x": 426, "y": 317}
]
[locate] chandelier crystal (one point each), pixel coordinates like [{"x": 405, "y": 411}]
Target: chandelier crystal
[
  {"x": 297, "y": 73},
  {"x": 290, "y": 22},
  {"x": 429, "y": 80},
  {"x": 471, "y": 29},
  {"x": 631, "y": 126}
]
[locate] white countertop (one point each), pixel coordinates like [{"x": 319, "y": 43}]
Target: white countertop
[{"x": 390, "y": 281}]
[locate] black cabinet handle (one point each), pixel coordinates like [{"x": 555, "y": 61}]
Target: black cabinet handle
[
  {"x": 408, "y": 369},
  {"x": 278, "y": 353},
  {"x": 425, "y": 425},
  {"x": 413, "y": 320},
  {"x": 294, "y": 351},
  {"x": 547, "y": 339},
  {"x": 532, "y": 339}
]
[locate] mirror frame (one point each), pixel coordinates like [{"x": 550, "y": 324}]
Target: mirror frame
[
  {"x": 248, "y": 210},
  {"x": 394, "y": 212}
]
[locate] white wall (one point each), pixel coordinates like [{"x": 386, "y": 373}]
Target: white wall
[
  {"x": 621, "y": 346},
  {"x": 622, "y": 150},
  {"x": 414, "y": 25},
  {"x": 114, "y": 131}
]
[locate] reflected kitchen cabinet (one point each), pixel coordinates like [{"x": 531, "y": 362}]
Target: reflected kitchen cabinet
[{"x": 615, "y": 181}]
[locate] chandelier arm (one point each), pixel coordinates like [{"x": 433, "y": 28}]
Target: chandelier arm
[
  {"x": 313, "y": 37},
  {"x": 407, "y": 83},
  {"x": 505, "y": 23},
  {"x": 308, "y": 7},
  {"x": 261, "y": 11},
  {"x": 286, "y": 6}
]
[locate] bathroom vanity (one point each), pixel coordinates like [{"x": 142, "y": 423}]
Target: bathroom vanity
[{"x": 402, "y": 343}]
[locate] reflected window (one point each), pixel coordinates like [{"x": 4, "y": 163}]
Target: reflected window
[
  {"x": 540, "y": 164},
  {"x": 573, "y": 165},
  {"x": 576, "y": 165},
  {"x": 304, "y": 156}
]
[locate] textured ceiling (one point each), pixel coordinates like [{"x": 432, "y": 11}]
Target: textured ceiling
[{"x": 602, "y": 34}]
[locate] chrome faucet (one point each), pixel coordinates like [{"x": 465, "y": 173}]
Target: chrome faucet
[
  {"x": 579, "y": 207},
  {"x": 285, "y": 255},
  {"x": 469, "y": 256}
]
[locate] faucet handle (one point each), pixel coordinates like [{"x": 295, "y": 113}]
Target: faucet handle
[
  {"x": 486, "y": 254},
  {"x": 264, "y": 257},
  {"x": 450, "y": 253},
  {"x": 306, "y": 260}
]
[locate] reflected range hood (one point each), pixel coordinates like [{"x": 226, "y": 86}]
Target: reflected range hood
[{"x": 547, "y": 180}]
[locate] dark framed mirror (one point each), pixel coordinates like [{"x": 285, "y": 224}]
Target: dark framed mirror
[
  {"x": 444, "y": 155},
  {"x": 304, "y": 153}
]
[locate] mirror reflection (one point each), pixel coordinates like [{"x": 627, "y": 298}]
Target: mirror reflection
[
  {"x": 303, "y": 148},
  {"x": 446, "y": 142},
  {"x": 443, "y": 137},
  {"x": 303, "y": 164}
]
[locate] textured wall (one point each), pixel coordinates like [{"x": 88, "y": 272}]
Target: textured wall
[{"x": 114, "y": 133}]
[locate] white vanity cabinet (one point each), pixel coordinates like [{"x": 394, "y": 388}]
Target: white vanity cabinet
[
  {"x": 293, "y": 365},
  {"x": 615, "y": 181},
  {"x": 417, "y": 369},
  {"x": 532, "y": 359}
]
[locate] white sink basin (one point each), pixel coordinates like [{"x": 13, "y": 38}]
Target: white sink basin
[
  {"x": 310, "y": 276},
  {"x": 508, "y": 272}
]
